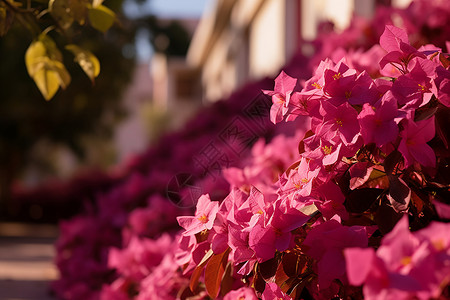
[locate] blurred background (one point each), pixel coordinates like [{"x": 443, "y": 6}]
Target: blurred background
[{"x": 161, "y": 62}]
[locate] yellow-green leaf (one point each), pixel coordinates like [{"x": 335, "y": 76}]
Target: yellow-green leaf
[
  {"x": 96, "y": 3},
  {"x": 87, "y": 61},
  {"x": 34, "y": 55},
  {"x": 44, "y": 64},
  {"x": 101, "y": 17},
  {"x": 61, "y": 71},
  {"x": 47, "y": 81}
]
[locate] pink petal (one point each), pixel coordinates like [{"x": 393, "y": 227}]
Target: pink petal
[{"x": 359, "y": 262}]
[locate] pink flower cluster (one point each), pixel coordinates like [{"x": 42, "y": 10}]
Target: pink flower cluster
[
  {"x": 311, "y": 215},
  {"x": 406, "y": 265},
  {"x": 359, "y": 128}
]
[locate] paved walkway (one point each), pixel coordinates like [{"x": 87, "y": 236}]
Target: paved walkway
[{"x": 26, "y": 254}]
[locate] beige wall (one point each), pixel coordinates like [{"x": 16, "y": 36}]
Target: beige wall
[{"x": 241, "y": 40}]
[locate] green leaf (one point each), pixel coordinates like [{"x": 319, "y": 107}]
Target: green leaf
[
  {"x": 214, "y": 273},
  {"x": 101, "y": 17},
  {"x": 87, "y": 61}
]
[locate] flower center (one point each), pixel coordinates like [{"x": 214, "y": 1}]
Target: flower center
[
  {"x": 438, "y": 245},
  {"x": 317, "y": 86},
  {"x": 406, "y": 260},
  {"x": 327, "y": 149},
  {"x": 422, "y": 88},
  {"x": 348, "y": 94},
  {"x": 337, "y": 76},
  {"x": 203, "y": 219}
]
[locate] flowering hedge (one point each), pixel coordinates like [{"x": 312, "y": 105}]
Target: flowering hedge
[{"x": 352, "y": 205}]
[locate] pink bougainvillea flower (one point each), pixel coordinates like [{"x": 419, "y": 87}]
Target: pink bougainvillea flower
[
  {"x": 273, "y": 291},
  {"x": 139, "y": 257},
  {"x": 301, "y": 104},
  {"x": 316, "y": 82},
  {"x": 276, "y": 235},
  {"x": 284, "y": 86},
  {"x": 239, "y": 244},
  {"x": 379, "y": 122},
  {"x": 204, "y": 216},
  {"x": 406, "y": 265},
  {"x": 395, "y": 41},
  {"x": 299, "y": 182},
  {"x": 326, "y": 151},
  {"x": 413, "y": 144},
  {"x": 442, "y": 209},
  {"x": 325, "y": 243},
  {"x": 341, "y": 120},
  {"x": 443, "y": 83},
  {"x": 416, "y": 88}
]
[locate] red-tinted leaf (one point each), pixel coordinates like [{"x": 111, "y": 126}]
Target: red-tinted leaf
[
  {"x": 399, "y": 194},
  {"x": 185, "y": 294},
  {"x": 359, "y": 173},
  {"x": 360, "y": 200},
  {"x": 442, "y": 128},
  {"x": 444, "y": 60},
  {"x": 227, "y": 281},
  {"x": 301, "y": 145},
  {"x": 296, "y": 289},
  {"x": 290, "y": 264},
  {"x": 292, "y": 167},
  {"x": 259, "y": 283},
  {"x": 268, "y": 268},
  {"x": 199, "y": 270},
  {"x": 417, "y": 202},
  {"x": 425, "y": 113},
  {"x": 391, "y": 161},
  {"x": 344, "y": 183},
  {"x": 281, "y": 278},
  {"x": 359, "y": 220},
  {"x": 386, "y": 218},
  {"x": 214, "y": 272}
]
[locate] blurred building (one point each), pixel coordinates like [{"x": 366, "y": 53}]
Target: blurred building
[{"x": 241, "y": 40}]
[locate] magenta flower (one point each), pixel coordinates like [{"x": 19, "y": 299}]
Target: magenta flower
[
  {"x": 341, "y": 120},
  {"x": 413, "y": 144},
  {"x": 204, "y": 216},
  {"x": 276, "y": 234},
  {"x": 406, "y": 265},
  {"x": 379, "y": 122},
  {"x": 284, "y": 86},
  {"x": 325, "y": 243},
  {"x": 395, "y": 41},
  {"x": 415, "y": 89},
  {"x": 273, "y": 291},
  {"x": 299, "y": 182}
]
